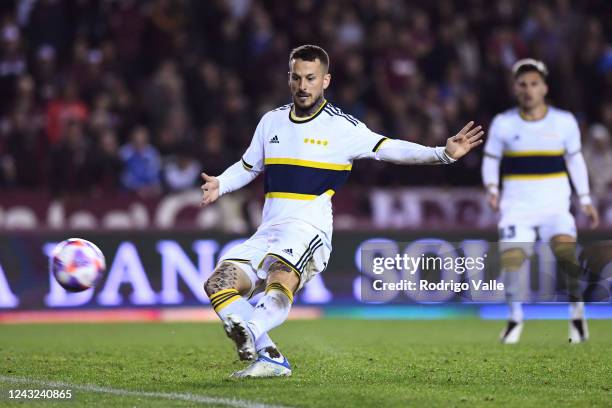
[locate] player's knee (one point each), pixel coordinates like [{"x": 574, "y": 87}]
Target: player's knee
[
  {"x": 564, "y": 251},
  {"x": 218, "y": 280},
  {"x": 513, "y": 259},
  {"x": 279, "y": 272},
  {"x": 210, "y": 288}
]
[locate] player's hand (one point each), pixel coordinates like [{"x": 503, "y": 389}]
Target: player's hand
[
  {"x": 464, "y": 141},
  {"x": 210, "y": 190},
  {"x": 493, "y": 200},
  {"x": 592, "y": 213}
]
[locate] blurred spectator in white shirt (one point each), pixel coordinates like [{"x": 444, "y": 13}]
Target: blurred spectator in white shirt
[{"x": 181, "y": 171}]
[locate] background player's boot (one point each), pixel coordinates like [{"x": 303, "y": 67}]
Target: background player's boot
[
  {"x": 578, "y": 331},
  {"x": 237, "y": 330},
  {"x": 270, "y": 363},
  {"x": 511, "y": 333}
]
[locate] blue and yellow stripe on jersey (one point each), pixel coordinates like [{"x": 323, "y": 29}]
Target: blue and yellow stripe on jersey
[
  {"x": 533, "y": 165},
  {"x": 298, "y": 179}
]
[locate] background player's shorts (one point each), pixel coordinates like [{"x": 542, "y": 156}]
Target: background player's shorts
[
  {"x": 521, "y": 230},
  {"x": 298, "y": 244}
]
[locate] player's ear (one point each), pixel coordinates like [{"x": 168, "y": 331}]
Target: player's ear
[
  {"x": 545, "y": 89},
  {"x": 326, "y": 80}
]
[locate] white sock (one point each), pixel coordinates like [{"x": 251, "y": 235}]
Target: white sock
[
  {"x": 271, "y": 310},
  {"x": 576, "y": 310},
  {"x": 515, "y": 291},
  {"x": 516, "y": 311},
  {"x": 227, "y": 302}
]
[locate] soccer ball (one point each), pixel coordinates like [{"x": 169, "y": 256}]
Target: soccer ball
[{"x": 77, "y": 264}]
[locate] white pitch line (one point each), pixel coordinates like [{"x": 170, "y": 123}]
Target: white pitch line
[{"x": 202, "y": 399}]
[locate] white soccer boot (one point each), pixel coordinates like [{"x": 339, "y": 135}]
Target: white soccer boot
[
  {"x": 578, "y": 331},
  {"x": 511, "y": 333},
  {"x": 270, "y": 363},
  {"x": 237, "y": 330}
]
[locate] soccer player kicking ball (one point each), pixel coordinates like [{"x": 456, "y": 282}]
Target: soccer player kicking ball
[
  {"x": 537, "y": 143},
  {"x": 306, "y": 151}
]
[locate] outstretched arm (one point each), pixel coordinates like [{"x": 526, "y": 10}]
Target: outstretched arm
[
  {"x": 402, "y": 152},
  {"x": 235, "y": 177}
]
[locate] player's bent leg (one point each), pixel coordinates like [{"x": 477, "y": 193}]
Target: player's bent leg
[
  {"x": 271, "y": 310},
  {"x": 564, "y": 249},
  {"x": 513, "y": 262},
  {"x": 226, "y": 288}
]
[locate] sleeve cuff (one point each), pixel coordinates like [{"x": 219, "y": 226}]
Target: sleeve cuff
[
  {"x": 585, "y": 199},
  {"x": 443, "y": 156},
  {"x": 492, "y": 189},
  {"x": 221, "y": 184}
]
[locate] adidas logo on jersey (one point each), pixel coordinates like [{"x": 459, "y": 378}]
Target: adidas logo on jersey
[
  {"x": 289, "y": 251},
  {"x": 274, "y": 139}
]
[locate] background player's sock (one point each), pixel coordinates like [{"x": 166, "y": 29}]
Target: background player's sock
[
  {"x": 227, "y": 302},
  {"x": 516, "y": 311},
  {"x": 576, "y": 310},
  {"x": 271, "y": 310},
  {"x": 513, "y": 288}
]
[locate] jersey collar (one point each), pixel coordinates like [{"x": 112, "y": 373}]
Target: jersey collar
[
  {"x": 296, "y": 119},
  {"x": 533, "y": 120}
]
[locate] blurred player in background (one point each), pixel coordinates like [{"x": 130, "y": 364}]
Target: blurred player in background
[
  {"x": 305, "y": 150},
  {"x": 537, "y": 143}
]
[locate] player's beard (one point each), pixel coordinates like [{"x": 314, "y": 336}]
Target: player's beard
[{"x": 302, "y": 111}]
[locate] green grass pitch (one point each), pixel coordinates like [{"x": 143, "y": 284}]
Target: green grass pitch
[{"x": 336, "y": 363}]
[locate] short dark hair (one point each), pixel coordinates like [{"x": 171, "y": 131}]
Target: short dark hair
[{"x": 309, "y": 52}]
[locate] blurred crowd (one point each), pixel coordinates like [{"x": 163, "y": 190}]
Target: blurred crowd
[{"x": 136, "y": 96}]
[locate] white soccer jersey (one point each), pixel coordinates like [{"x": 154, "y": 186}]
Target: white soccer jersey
[
  {"x": 305, "y": 161},
  {"x": 533, "y": 166}
]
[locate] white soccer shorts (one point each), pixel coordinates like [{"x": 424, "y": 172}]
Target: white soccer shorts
[
  {"x": 516, "y": 229},
  {"x": 298, "y": 244}
]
